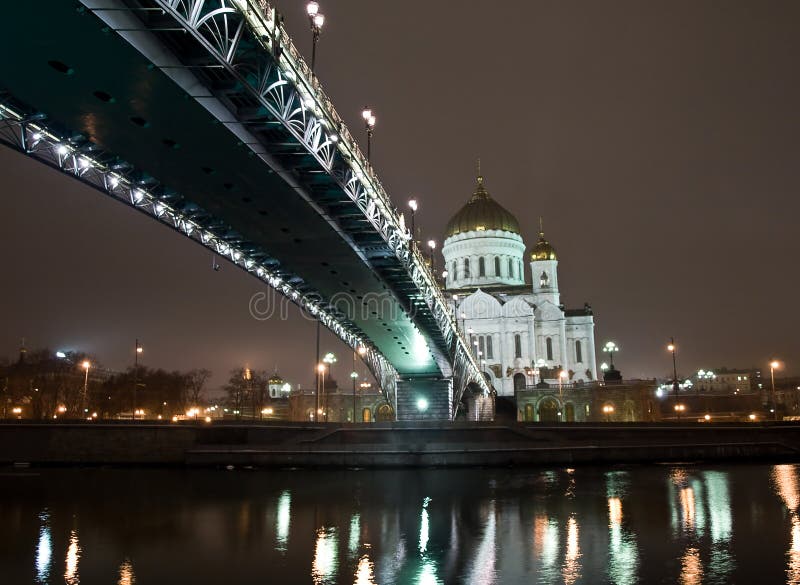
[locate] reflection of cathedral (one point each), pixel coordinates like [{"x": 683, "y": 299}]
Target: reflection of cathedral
[{"x": 521, "y": 333}]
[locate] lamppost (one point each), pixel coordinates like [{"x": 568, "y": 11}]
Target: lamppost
[
  {"x": 673, "y": 349},
  {"x": 329, "y": 359},
  {"x": 773, "y": 365},
  {"x": 320, "y": 385},
  {"x": 432, "y": 247},
  {"x": 316, "y": 19},
  {"x": 706, "y": 378},
  {"x": 445, "y": 273},
  {"x": 609, "y": 348},
  {"x": 562, "y": 375},
  {"x": 248, "y": 376},
  {"x": 608, "y": 410},
  {"x": 412, "y": 203},
  {"x": 85, "y": 399},
  {"x": 369, "y": 124},
  {"x": 137, "y": 349},
  {"x": 354, "y": 375}
]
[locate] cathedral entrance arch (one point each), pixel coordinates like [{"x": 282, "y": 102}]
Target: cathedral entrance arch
[
  {"x": 519, "y": 381},
  {"x": 385, "y": 413},
  {"x": 548, "y": 410},
  {"x": 528, "y": 416}
]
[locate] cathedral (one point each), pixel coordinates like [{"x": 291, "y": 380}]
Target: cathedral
[{"x": 522, "y": 334}]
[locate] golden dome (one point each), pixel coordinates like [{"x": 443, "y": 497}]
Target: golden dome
[
  {"x": 481, "y": 213},
  {"x": 543, "y": 250}
]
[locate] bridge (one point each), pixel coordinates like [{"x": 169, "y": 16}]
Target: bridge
[{"x": 203, "y": 115}]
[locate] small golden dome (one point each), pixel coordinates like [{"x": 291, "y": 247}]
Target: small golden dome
[
  {"x": 275, "y": 379},
  {"x": 481, "y": 213},
  {"x": 543, "y": 250}
]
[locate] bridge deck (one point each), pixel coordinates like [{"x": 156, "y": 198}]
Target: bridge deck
[{"x": 112, "y": 95}]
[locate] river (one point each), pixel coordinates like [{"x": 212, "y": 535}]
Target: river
[{"x": 687, "y": 524}]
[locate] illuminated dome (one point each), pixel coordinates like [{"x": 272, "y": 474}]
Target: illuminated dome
[
  {"x": 481, "y": 213},
  {"x": 275, "y": 379},
  {"x": 543, "y": 250}
]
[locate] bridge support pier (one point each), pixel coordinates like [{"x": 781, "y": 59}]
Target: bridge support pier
[{"x": 424, "y": 399}]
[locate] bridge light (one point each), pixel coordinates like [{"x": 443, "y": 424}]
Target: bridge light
[
  {"x": 432, "y": 244},
  {"x": 62, "y": 150},
  {"x": 84, "y": 163},
  {"x": 113, "y": 181},
  {"x": 362, "y": 350},
  {"x": 319, "y": 20},
  {"x": 334, "y": 138},
  {"x": 312, "y": 8},
  {"x": 412, "y": 203},
  {"x": 37, "y": 136},
  {"x": 60, "y": 355},
  {"x": 422, "y": 405},
  {"x": 366, "y": 114}
]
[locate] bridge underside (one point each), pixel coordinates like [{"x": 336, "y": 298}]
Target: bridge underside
[{"x": 94, "y": 86}]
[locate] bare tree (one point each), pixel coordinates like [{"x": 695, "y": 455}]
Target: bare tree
[{"x": 195, "y": 384}]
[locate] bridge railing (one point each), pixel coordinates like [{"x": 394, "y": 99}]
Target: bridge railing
[{"x": 263, "y": 19}]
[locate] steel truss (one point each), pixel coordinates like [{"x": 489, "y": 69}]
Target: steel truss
[
  {"x": 114, "y": 177},
  {"x": 245, "y": 38}
]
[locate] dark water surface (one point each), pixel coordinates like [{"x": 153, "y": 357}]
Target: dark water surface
[{"x": 656, "y": 524}]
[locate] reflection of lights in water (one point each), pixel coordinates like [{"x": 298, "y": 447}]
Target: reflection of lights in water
[
  {"x": 126, "y": 576},
  {"x": 691, "y": 567},
  {"x": 427, "y": 574},
  {"x": 325, "y": 563},
  {"x": 44, "y": 550},
  {"x": 545, "y": 545},
  {"x": 721, "y": 562},
  {"x": 784, "y": 478},
  {"x": 687, "y": 508},
  {"x": 355, "y": 533},
  {"x": 482, "y": 568},
  {"x": 572, "y": 566},
  {"x": 73, "y": 556},
  {"x": 424, "y": 527},
  {"x": 283, "y": 519},
  {"x": 624, "y": 558},
  {"x": 719, "y": 505},
  {"x": 364, "y": 573}
]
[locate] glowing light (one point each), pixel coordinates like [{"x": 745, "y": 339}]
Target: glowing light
[
  {"x": 16, "y": 410},
  {"x": 366, "y": 114},
  {"x": 73, "y": 556},
  {"x": 208, "y": 419},
  {"x": 62, "y": 150},
  {"x": 355, "y": 533},
  {"x": 572, "y": 567},
  {"x": 422, "y": 405},
  {"x": 319, "y": 20},
  {"x": 283, "y": 520},
  {"x": 44, "y": 550},
  {"x": 365, "y": 572},
  {"x": 312, "y": 8},
  {"x": 691, "y": 567},
  {"x": 325, "y": 564},
  {"x": 424, "y": 526},
  {"x": 126, "y": 576},
  {"x": 86, "y": 365},
  {"x": 60, "y": 355}
]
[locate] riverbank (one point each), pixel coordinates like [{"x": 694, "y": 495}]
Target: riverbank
[{"x": 390, "y": 444}]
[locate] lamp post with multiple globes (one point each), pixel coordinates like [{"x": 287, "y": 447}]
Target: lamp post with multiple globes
[
  {"x": 137, "y": 350},
  {"x": 412, "y": 203},
  {"x": 316, "y": 20},
  {"x": 85, "y": 398},
  {"x": 773, "y": 365},
  {"x": 369, "y": 125},
  {"x": 673, "y": 349}
]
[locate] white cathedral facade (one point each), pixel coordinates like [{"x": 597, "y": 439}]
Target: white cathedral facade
[{"x": 522, "y": 334}]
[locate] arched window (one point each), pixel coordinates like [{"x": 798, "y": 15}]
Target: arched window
[
  {"x": 578, "y": 352},
  {"x": 497, "y": 265},
  {"x": 510, "y": 268},
  {"x": 529, "y": 413},
  {"x": 466, "y": 267},
  {"x": 543, "y": 280},
  {"x": 366, "y": 415},
  {"x": 482, "y": 345},
  {"x": 489, "y": 352},
  {"x": 481, "y": 266},
  {"x": 519, "y": 381},
  {"x": 519, "y": 270},
  {"x": 455, "y": 274},
  {"x": 549, "y": 344},
  {"x": 517, "y": 346}
]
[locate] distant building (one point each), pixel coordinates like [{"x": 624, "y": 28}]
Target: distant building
[
  {"x": 628, "y": 401},
  {"x": 337, "y": 404},
  {"x": 521, "y": 333}
]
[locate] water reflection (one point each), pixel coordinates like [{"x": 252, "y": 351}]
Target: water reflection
[
  {"x": 581, "y": 526},
  {"x": 126, "y": 576},
  {"x": 784, "y": 478},
  {"x": 44, "y": 549},
  {"x": 283, "y": 519},
  {"x": 73, "y": 556},
  {"x": 326, "y": 559},
  {"x": 572, "y": 566}
]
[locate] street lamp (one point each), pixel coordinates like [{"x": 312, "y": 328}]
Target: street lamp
[
  {"x": 137, "y": 349},
  {"x": 608, "y": 410},
  {"x": 412, "y": 203},
  {"x": 362, "y": 351},
  {"x": 86, "y": 365},
  {"x": 673, "y": 349},
  {"x": 316, "y": 20},
  {"x": 609, "y": 348},
  {"x": 369, "y": 124},
  {"x": 329, "y": 360},
  {"x": 773, "y": 365},
  {"x": 432, "y": 247}
]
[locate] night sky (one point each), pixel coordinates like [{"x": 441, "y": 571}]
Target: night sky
[{"x": 659, "y": 140}]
